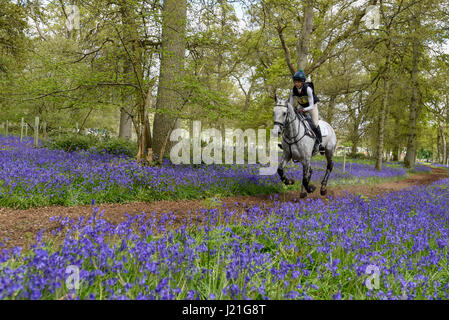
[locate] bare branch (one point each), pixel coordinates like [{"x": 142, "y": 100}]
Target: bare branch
[{"x": 280, "y": 29}]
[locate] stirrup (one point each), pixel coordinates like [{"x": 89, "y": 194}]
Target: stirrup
[{"x": 321, "y": 149}]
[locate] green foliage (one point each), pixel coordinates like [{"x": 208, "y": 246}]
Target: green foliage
[
  {"x": 232, "y": 73},
  {"x": 117, "y": 146},
  {"x": 424, "y": 154},
  {"x": 12, "y": 38},
  {"x": 72, "y": 142},
  {"x": 359, "y": 155},
  {"x": 110, "y": 145}
]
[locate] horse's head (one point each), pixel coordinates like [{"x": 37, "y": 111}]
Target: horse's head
[{"x": 280, "y": 112}]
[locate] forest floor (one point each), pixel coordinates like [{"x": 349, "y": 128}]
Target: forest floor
[{"x": 20, "y": 227}]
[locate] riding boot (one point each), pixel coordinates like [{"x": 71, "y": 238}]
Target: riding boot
[{"x": 317, "y": 131}]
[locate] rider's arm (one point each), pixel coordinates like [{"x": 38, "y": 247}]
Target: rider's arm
[{"x": 310, "y": 96}]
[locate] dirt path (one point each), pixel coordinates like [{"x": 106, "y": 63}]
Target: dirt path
[{"x": 22, "y": 226}]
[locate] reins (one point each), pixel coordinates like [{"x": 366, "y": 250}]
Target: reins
[{"x": 288, "y": 123}]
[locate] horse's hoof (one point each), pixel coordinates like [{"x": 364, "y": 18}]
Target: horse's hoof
[
  {"x": 311, "y": 189},
  {"x": 323, "y": 192},
  {"x": 303, "y": 195}
]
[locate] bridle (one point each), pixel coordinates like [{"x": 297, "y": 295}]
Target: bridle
[
  {"x": 286, "y": 123},
  {"x": 280, "y": 124}
]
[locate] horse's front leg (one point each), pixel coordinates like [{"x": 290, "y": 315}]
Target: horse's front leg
[
  {"x": 330, "y": 166},
  {"x": 306, "y": 175},
  {"x": 286, "y": 156}
]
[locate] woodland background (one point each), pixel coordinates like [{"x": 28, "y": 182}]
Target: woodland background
[{"x": 145, "y": 67}]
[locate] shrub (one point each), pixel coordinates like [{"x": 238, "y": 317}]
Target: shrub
[
  {"x": 72, "y": 142},
  {"x": 118, "y": 146}
]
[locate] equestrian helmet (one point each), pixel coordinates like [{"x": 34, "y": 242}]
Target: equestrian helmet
[{"x": 299, "y": 76}]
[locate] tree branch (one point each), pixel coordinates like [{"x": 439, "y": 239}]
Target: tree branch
[
  {"x": 288, "y": 58},
  {"x": 332, "y": 43}
]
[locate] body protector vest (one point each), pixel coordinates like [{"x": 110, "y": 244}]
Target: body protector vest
[{"x": 300, "y": 96}]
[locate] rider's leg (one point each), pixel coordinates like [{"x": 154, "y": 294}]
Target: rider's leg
[
  {"x": 314, "y": 115},
  {"x": 316, "y": 128},
  {"x": 320, "y": 139}
]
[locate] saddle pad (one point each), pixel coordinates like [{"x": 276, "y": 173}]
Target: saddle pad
[{"x": 323, "y": 128}]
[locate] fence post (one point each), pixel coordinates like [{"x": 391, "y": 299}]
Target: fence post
[
  {"x": 344, "y": 160},
  {"x": 44, "y": 130},
  {"x": 21, "y": 130},
  {"x": 7, "y": 123},
  {"x": 36, "y": 131},
  {"x": 59, "y": 136},
  {"x": 77, "y": 127}
]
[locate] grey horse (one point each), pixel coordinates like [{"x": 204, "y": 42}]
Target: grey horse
[{"x": 298, "y": 144}]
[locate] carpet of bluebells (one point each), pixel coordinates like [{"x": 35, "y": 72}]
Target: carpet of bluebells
[
  {"x": 440, "y": 165},
  {"x": 32, "y": 177},
  {"x": 305, "y": 250}
]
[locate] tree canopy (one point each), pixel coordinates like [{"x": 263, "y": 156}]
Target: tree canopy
[{"x": 380, "y": 68}]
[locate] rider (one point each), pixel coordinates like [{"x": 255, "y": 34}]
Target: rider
[{"x": 303, "y": 98}]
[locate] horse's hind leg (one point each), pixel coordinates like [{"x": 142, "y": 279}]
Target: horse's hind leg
[{"x": 330, "y": 166}]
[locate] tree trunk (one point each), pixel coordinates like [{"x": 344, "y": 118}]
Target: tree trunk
[
  {"x": 148, "y": 138},
  {"x": 44, "y": 131},
  {"x": 303, "y": 46},
  {"x": 395, "y": 149},
  {"x": 248, "y": 98},
  {"x": 447, "y": 153},
  {"x": 134, "y": 56},
  {"x": 220, "y": 58},
  {"x": 125, "y": 124},
  {"x": 446, "y": 124},
  {"x": 443, "y": 140},
  {"x": 410, "y": 157},
  {"x": 171, "y": 66},
  {"x": 383, "y": 111},
  {"x": 356, "y": 118},
  {"x": 71, "y": 20},
  {"x": 126, "y": 121},
  {"x": 147, "y": 127},
  {"x": 145, "y": 141},
  {"x": 396, "y": 153}
]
